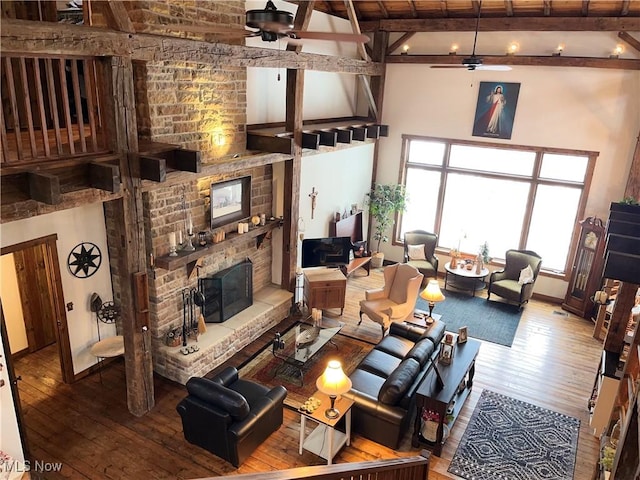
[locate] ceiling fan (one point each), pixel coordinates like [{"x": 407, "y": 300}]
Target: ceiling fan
[
  {"x": 474, "y": 62},
  {"x": 271, "y": 24}
]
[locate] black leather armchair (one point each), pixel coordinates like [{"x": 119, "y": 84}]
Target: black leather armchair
[
  {"x": 229, "y": 416},
  {"x": 428, "y": 266}
]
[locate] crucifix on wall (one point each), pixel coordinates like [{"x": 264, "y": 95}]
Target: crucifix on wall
[{"x": 313, "y": 196}]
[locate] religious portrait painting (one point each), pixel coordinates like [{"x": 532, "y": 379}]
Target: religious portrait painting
[{"x": 496, "y": 109}]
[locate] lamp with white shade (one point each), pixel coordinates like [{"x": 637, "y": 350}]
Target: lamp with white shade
[
  {"x": 333, "y": 382},
  {"x": 432, "y": 295}
]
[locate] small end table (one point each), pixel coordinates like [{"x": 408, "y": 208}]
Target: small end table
[{"x": 325, "y": 440}]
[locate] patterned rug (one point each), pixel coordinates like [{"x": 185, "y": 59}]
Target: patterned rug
[
  {"x": 492, "y": 321},
  {"x": 509, "y": 439},
  {"x": 268, "y": 370}
]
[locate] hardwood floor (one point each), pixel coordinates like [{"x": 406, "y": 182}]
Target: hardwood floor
[{"x": 88, "y": 428}]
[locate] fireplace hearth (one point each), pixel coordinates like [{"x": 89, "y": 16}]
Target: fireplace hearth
[{"x": 227, "y": 292}]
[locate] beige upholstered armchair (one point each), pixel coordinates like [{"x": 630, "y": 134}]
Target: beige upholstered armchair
[
  {"x": 424, "y": 259},
  {"x": 515, "y": 283},
  {"x": 396, "y": 300}
]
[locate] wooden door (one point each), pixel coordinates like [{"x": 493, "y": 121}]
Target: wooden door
[{"x": 37, "y": 304}]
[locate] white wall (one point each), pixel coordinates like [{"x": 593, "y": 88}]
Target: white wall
[
  {"x": 73, "y": 226},
  {"x": 10, "y": 442},
  {"x": 12, "y": 305},
  {"x": 326, "y": 95},
  {"x": 577, "y": 108}
]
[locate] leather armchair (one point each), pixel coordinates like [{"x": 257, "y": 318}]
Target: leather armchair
[
  {"x": 504, "y": 283},
  {"x": 429, "y": 266},
  {"x": 395, "y": 301},
  {"x": 229, "y": 416}
]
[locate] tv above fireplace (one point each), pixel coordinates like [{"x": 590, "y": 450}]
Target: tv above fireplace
[{"x": 326, "y": 252}]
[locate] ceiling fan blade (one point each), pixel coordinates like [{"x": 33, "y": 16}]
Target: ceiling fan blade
[
  {"x": 448, "y": 66},
  {"x": 211, "y": 29},
  {"x": 495, "y": 68},
  {"x": 335, "y": 37}
]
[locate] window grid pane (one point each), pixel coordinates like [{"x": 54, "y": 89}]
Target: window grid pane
[{"x": 479, "y": 208}]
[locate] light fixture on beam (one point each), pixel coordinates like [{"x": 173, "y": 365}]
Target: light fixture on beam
[
  {"x": 617, "y": 51},
  {"x": 513, "y": 48},
  {"x": 454, "y": 49},
  {"x": 559, "y": 50},
  {"x": 405, "y": 49}
]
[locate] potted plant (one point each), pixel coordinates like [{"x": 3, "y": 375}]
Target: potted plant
[
  {"x": 484, "y": 253},
  {"x": 384, "y": 201}
]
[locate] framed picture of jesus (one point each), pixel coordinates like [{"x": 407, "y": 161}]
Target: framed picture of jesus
[{"x": 496, "y": 109}]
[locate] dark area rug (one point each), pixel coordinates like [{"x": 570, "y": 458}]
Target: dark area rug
[
  {"x": 510, "y": 439},
  {"x": 491, "y": 321},
  {"x": 268, "y": 370}
]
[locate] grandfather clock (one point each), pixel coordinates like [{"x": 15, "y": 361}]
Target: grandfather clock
[{"x": 586, "y": 271}]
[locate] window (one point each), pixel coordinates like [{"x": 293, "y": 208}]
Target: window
[{"x": 509, "y": 196}]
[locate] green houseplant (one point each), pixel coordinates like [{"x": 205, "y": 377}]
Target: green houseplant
[{"x": 384, "y": 201}]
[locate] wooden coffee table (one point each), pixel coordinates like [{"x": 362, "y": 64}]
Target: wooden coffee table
[{"x": 463, "y": 279}]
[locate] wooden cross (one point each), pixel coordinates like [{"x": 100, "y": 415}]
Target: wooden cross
[{"x": 313, "y": 196}]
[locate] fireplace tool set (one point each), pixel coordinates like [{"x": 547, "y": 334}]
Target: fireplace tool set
[{"x": 192, "y": 324}]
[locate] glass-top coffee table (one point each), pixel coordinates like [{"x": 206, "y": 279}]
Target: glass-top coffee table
[
  {"x": 307, "y": 340},
  {"x": 462, "y": 279}
]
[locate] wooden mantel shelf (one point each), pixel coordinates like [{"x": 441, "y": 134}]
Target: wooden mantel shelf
[
  {"x": 190, "y": 258},
  {"x": 276, "y": 139}
]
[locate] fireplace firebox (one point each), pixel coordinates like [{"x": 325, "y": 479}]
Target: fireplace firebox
[{"x": 227, "y": 292}]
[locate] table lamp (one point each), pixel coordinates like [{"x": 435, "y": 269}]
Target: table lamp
[
  {"x": 432, "y": 294},
  {"x": 333, "y": 382}
]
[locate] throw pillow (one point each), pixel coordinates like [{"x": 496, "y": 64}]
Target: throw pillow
[
  {"x": 526, "y": 275},
  {"x": 416, "y": 252}
]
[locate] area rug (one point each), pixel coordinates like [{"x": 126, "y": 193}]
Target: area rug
[
  {"x": 268, "y": 370},
  {"x": 487, "y": 320},
  {"x": 510, "y": 439}
]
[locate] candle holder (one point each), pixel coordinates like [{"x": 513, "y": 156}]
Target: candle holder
[
  {"x": 173, "y": 251},
  {"x": 189, "y": 244}
]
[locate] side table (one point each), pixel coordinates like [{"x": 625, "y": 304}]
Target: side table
[
  {"x": 325, "y": 288},
  {"x": 448, "y": 386},
  {"x": 325, "y": 440}
]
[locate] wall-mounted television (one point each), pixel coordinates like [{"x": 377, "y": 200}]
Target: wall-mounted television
[
  {"x": 325, "y": 252},
  {"x": 230, "y": 201}
]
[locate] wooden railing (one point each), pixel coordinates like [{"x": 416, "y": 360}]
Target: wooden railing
[
  {"x": 407, "y": 468},
  {"x": 50, "y": 109}
]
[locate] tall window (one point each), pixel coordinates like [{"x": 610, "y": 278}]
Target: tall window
[{"x": 508, "y": 196}]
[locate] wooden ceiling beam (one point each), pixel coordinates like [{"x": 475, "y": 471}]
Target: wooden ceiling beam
[
  {"x": 301, "y": 23},
  {"x": 533, "y": 61},
  {"x": 497, "y": 24},
  {"x": 355, "y": 27},
  {"x": 53, "y": 39},
  {"x": 631, "y": 41},
  {"x": 118, "y": 17}
]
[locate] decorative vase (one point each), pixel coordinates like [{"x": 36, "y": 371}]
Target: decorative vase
[{"x": 479, "y": 265}]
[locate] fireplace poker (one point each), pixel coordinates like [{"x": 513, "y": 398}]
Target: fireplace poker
[{"x": 184, "y": 319}]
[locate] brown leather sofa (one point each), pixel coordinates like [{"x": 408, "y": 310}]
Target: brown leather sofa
[
  {"x": 230, "y": 416},
  {"x": 385, "y": 382}
]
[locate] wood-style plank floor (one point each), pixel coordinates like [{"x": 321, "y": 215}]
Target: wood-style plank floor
[{"x": 88, "y": 427}]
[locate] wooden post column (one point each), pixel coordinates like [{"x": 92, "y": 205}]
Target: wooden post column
[
  {"x": 293, "y": 167},
  {"x": 128, "y": 213}
]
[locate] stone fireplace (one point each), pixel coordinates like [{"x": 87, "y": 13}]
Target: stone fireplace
[{"x": 227, "y": 292}]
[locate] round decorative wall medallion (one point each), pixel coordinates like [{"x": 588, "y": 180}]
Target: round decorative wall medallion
[{"x": 84, "y": 260}]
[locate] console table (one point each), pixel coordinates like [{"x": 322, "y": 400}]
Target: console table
[
  {"x": 443, "y": 387},
  {"x": 324, "y": 288}
]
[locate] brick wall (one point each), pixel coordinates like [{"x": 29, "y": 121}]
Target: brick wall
[{"x": 200, "y": 108}]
